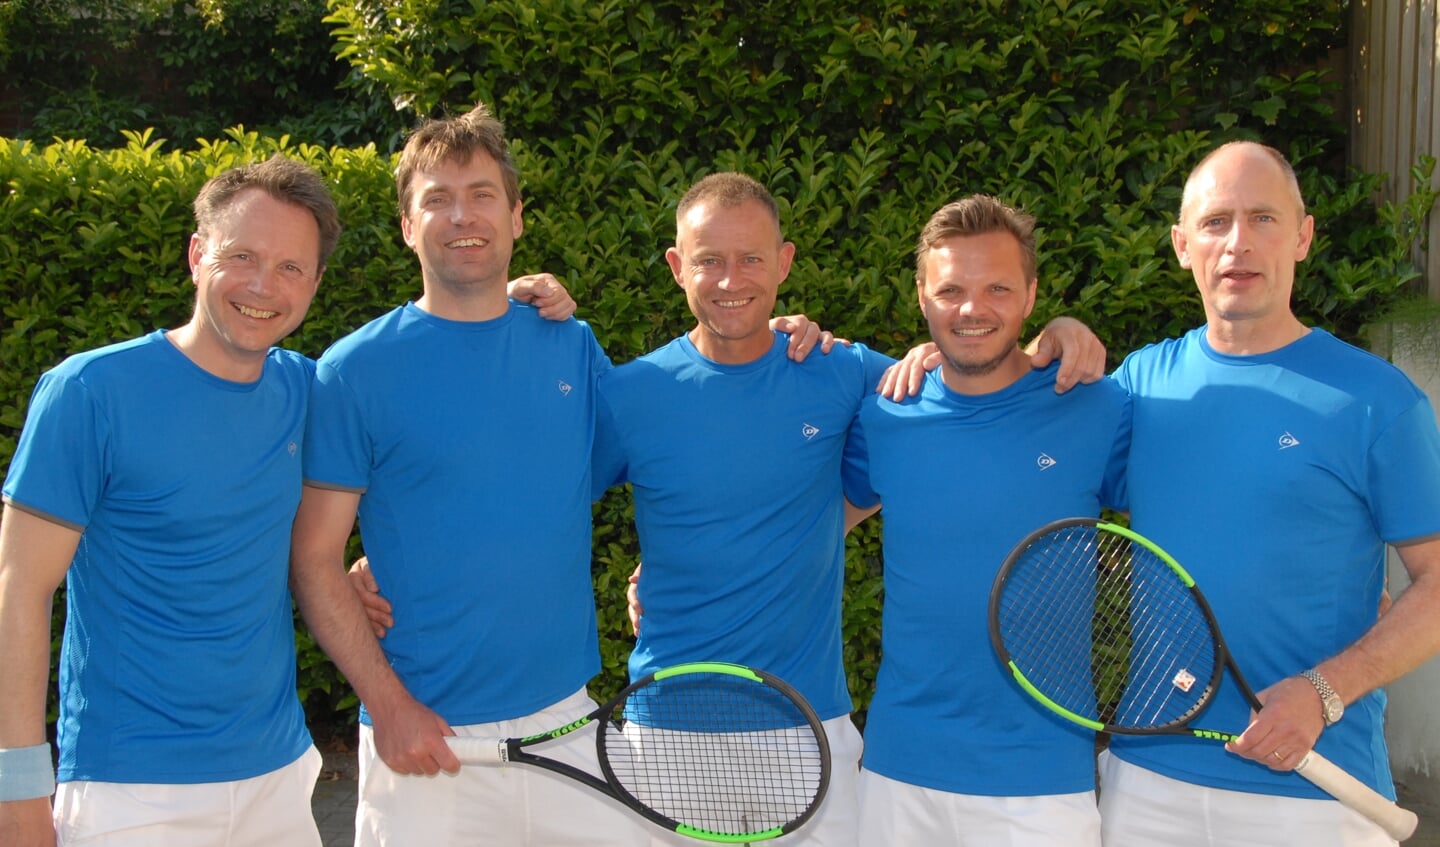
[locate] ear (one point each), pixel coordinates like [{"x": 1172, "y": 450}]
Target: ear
[
  {"x": 195, "y": 254},
  {"x": 787, "y": 257},
  {"x": 1307, "y": 237},
  {"x": 676, "y": 263},
  {"x": 1181, "y": 245},
  {"x": 1032, "y": 287},
  {"x": 516, "y": 222},
  {"x": 406, "y": 232}
]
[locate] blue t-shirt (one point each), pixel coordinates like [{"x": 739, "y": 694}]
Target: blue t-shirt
[
  {"x": 963, "y": 478},
  {"x": 1276, "y": 481},
  {"x": 736, "y": 474},
  {"x": 471, "y": 444},
  {"x": 178, "y": 658}
]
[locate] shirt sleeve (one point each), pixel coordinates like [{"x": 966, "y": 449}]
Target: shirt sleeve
[
  {"x": 1404, "y": 476},
  {"x": 338, "y": 449},
  {"x": 59, "y": 468}
]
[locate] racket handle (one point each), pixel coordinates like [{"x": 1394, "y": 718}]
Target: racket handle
[
  {"x": 1399, "y": 823},
  {"x": 478, "y": 750}
]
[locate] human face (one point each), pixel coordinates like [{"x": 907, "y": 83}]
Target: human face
[
  {"x": 976, "y": 298},
  {"x": 1240, "y": 234},
  {"x": 254, "y": 278},
  {"x": 463, "y": 229},
  {"x": 730, "y": 260}
]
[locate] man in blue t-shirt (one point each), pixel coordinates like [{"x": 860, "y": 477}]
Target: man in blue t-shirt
[
  {"x": 1275, "y": 463},
  {"x": 734, "y": 456},
  {"x": 447, "y": 425},
  {"x": 954, "y": 753},
  {"x": 159, "y": 477}
]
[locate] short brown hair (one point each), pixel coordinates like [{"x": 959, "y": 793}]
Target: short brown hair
[
  {"x": 439, "y": 140},
  {"x": 977, "y": 214},
  {"x": 285, "y": 180},
  {"x": 729, "y": 189}
]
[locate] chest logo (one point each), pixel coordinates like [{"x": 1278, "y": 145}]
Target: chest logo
[
  {"x": 1287, "y": 441},
  {"x": 292, "y": 448},
  {"x": 1045, "y": 462},
  {"x": 809, "y": 431},
  {"x": 563, "y": 386}
]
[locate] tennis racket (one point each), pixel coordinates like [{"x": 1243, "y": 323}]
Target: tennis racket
[
  {"x": 717, "y": 752},
  {"x": 1107, "y": 630}
]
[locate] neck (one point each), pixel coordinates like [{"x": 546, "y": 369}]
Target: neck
[
  {"x": 1253, "y": 337},
  {"x": 1008, "y": 372},
  {"x": 731, "y": 351},
  {"x": 472, "y": 303},
  {"x": 214, "y": 360}
]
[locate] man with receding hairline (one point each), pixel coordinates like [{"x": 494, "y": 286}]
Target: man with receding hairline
[
  {"x": 158, "y": 478},
  {"x": 1276, "y": 462}
]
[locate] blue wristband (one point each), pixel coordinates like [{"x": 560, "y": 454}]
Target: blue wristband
[{"x": 26, "y": 773}]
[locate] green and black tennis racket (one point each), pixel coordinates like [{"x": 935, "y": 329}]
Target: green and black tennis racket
[
  {"x": 1106, "y": 629},
  {"x": 714, "y": 751}
]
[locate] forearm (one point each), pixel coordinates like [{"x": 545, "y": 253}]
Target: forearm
[
  {"x": 24, "y": 660},
  {"x": 1401, "y": 640},
  {"x": 34, "y": 556},
  {"x": 337, "y": 620}
]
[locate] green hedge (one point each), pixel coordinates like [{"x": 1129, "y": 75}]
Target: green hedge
[{"x": 1086, "y": 113}]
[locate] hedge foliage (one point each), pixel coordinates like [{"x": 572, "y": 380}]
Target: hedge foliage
[{"x": 1086, "y": 113}]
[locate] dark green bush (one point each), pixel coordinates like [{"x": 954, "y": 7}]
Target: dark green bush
[
  {"x": 188, "y": 69},
  {"x": 1086, "y": 112}
]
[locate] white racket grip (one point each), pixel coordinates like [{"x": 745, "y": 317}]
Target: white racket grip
[
  {"x": 1400, "y": 823},
  {"x": 478, "y": 750}
]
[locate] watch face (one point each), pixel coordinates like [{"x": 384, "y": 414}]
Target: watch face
[{"x": 1333, "y": 711}]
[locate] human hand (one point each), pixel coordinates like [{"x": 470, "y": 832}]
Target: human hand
[
  {"x": 1081, "y": 355},
  {"x": 410, "y": 738},
  {"x": 1280, "y": 734},
  {"x": 377, "y": 608},
  {"x": 632, "y": 600},
  {"x": 805, "y": 336},
  {"x": 27, "y": 823},
  {"x": 545, "y": 292},
  {"x": 904, "y": 378}
]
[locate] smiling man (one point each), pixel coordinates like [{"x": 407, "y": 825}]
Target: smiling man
[
  {"x": 954, "y": 753},
  {"x": 453, "y": 425},
  {"x": 159, "y": 478},
  {"x": 734, "y": 455}
]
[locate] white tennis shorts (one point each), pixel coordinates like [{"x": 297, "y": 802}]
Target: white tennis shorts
[
  {"x": 1140, "y": 808},
  {"x": 270, "y": 810},
  {"x": 894, "y": 812}
]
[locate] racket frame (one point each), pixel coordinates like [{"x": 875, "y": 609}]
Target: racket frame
[
  {"x": 1399, "y": 823},
  {"x": 513, "y": 750}
]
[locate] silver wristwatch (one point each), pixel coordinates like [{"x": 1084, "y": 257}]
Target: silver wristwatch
[{"x": 1331, "y": 705}]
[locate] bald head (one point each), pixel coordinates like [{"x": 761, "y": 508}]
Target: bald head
[{"x": 1231, "y": 160}]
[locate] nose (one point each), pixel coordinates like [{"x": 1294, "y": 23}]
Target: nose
[
  {"x": 263, "y": 281},
  {"x": 1239, "y": 237},
  {"x": 461, "y": 211}
]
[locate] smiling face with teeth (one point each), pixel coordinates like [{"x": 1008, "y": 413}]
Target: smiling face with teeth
[
  {"x": 730, "y": 259},
  {"x": 463, "y": 228},
  {"x": 254, "y": 274},
  {"x": 976, "y": 296},
  {"x": 1242, "y": 229}
]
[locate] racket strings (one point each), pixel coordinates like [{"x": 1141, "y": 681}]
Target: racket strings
[
  {"x": 717, "y": 752},
  {"x": 1106, "y": 630}
]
